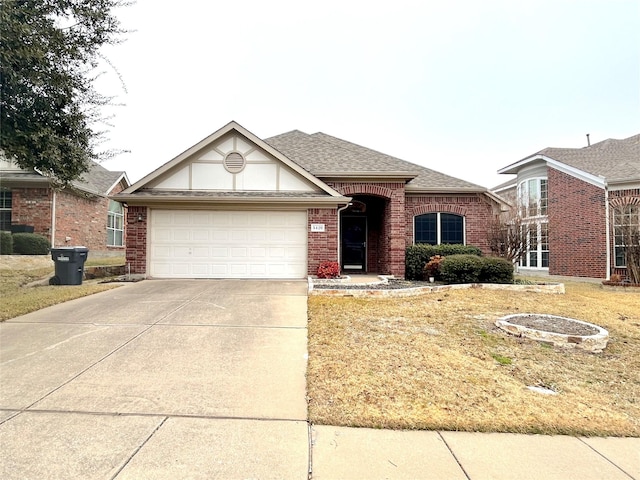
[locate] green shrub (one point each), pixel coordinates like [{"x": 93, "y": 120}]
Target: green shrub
[
  {"x": 6, "y": 243},
  {"x": 30, "y": 244},
  {"x": 474, "y": 269},
  {"x": 496, "y": 270},
  {"x": 461, "y": 269},
  {"x": 417, "y": 256}
]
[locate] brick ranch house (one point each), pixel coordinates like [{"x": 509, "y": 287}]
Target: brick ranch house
[
  {"x": 237, "y": 206},
  {"x": 576, "y": 201},
  {"x": 81, "y": 214}
]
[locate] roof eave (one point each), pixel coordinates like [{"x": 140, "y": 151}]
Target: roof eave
[
  {"x": 596, "y": 180},
  {"x": 406, "y": 176},
  {"x": 132, "y": 199},
  {"x": 31, "y": 179},
  {"x": 411, "y": 189},
  {"x": 514, "y": 167},
  {"x": 623, "y": 184}
]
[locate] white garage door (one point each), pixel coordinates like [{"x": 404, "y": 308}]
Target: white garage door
[{"x": 217, "y": 244}]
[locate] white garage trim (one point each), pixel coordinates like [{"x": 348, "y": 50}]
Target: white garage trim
[{"x": 227, "y": 244}]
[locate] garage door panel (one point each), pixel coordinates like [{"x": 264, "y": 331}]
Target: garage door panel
[
  {"x": 296, "y": 253},
  {"x": 200, "y": 252},
  {"x": 237, "y": 252},
  {"x": 199, "y": 244},
  {"x": 219, "y": 252},
  {"x": 277, "y": 252},
  {"x": 220, "y": 235},
  {"x": 201, "y": 236},
  {"x": 199, "y": 269},
  {"x": 239, "y": 269},
  {"x": 181, "y": 235},
  {"x": 219, "y": 270}
]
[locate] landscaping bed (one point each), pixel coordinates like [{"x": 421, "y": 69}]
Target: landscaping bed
[{"x": 406, "y": 288}]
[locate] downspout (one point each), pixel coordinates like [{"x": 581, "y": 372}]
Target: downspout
[
  {"x": 608, "y": 227},
  {"x": 53, "y": 218},
  {"x": 340, "y": 238}
]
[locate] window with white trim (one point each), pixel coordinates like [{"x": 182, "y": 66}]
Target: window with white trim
[
  {"x": 626, "y": 225},
  {"x": 437, "y": 228},
  {"x": 533, "y": 201},
  {"x": 115, "y": 224},
  {"x": 5, "y": 209},
  {"x": 533, "y": 197},
  {"x": 537, "y": 252}
]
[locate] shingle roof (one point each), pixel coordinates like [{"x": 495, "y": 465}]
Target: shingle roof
[
  {"x": 325, "y": 156},
  {"x": 616, "y": 160},
  {"x": 98, "y": 179}
]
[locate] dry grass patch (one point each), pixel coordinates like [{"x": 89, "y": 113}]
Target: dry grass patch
[
  {"x": 16, "y": 271},
  {"x": 437, "y": 361}
]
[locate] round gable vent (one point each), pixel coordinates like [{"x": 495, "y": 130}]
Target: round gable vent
[{"x": 234, "y": 162}]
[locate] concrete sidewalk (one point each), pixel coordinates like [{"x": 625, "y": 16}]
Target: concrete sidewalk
[{"x": 352, "y": 453}]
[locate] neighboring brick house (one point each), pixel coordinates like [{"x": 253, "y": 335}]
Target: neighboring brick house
[
  {"x": 235, "y": 205},
  {"x": 81, "y": 214},
  {"x": 576, "y": 201}
]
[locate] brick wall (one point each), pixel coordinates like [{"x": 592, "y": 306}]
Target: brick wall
[
  {"x": 32, "y": 206},
  {"x": 322, "y": 246},
  {"x": 577, "y": 227},
  {"x": 476, "y": 210},
  {"x": 79, "y": 220},
  {"x": 136, "y": 239}
]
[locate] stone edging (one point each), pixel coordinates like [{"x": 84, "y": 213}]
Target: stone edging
[
  {"x": 556, "y": 288},
  {"x": 591, "y": 343}
]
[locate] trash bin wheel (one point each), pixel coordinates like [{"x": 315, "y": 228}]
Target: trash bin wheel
[{"x": 54, "y": 280}]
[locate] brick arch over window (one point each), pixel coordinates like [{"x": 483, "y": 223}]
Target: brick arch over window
[
  {"x": 365, "y": 189},
  {"x": 624, "y": 201},
  {"x": 435, "y": 208}
]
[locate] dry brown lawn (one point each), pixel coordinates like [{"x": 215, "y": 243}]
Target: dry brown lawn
[
  {"x": 17, "y": 271},
  {"x": 438, "y": 362}
]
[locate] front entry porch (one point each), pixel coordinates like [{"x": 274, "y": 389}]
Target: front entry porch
[{"x": 365, "y": 237}]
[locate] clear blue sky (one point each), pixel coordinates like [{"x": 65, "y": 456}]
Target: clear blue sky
[{"x": 460, "y": 86}]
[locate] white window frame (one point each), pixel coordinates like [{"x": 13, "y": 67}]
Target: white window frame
[
  {"x": 630, "y": 215},
  {"x": 115, "y": 225},
  {"x": 533, "y": 186},
  {"x": 3, "y": 204},
  {"x": 538, "y": 250}
]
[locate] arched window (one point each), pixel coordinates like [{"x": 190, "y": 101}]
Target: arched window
[{"x": 437, "y": 228}]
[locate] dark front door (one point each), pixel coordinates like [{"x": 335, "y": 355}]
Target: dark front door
[{"x": 354, "y": 243}]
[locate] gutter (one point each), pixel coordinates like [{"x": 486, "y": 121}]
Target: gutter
[
  {"x": 53, "y": 218},
  {"x": 608, "y": 232}
]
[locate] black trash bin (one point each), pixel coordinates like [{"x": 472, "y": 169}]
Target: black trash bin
[{"x": 69, "y": 263}]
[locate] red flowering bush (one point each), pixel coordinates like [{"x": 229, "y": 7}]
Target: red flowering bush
[
  {"x": 432, "y": 268},
  {"x": 329, "y": 270}
]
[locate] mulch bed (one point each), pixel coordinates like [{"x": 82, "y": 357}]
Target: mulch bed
[
  {"x": 554, "y": 325},
  {"x": 392, "y": 284}
]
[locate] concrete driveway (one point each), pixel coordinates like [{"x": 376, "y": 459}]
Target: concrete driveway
[{"x": 158, "y": 379}]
